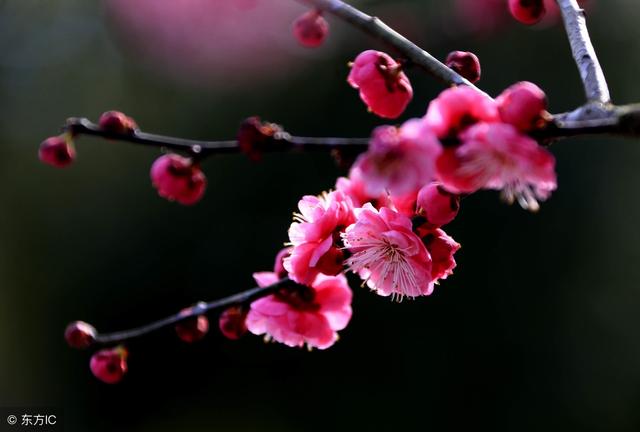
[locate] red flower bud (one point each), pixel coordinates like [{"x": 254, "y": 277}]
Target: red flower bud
[
  {"x": 332, "y": 262},
  {"x": 80, "y": 335},
  {"x": 311, "y": 29},
  {"x": 437, "y": 205},
  {"x": 109, "y": 365},
  {"x": 178, "y": 178},
  {"x": 527, "y": 11},
  {"x": 57, "y": 151},
  {"x": 193, "y": 329},
  {"x": 255, "y": 136},
  {"x": 523, "y": 105},
  {"x": 465, "y": 64},
  {"x": 233, "y": 322},
  {"x": 117, "y": 122},
  {"x": 383, "y": 87}
]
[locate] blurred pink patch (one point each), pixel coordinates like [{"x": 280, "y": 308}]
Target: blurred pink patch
[{"x": 203, "y": 42}]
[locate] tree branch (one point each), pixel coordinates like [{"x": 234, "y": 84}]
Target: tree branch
[
  {"x": 593, "y": 79},
  {"x": 592, "y": 120},
  {"x": 378, "y": 29},
  {"x": 282, "y": 141},
  {"x": 199, "y": 309}
]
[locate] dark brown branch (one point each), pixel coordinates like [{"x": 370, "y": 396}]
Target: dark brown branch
[
  {"x": 200, "y": 149},
  {"x": 593, "y": 79},
  {"x": 378, "y": 29},
  {"x": 198, "y": 309},
  {"x": 587, "y": 120}
]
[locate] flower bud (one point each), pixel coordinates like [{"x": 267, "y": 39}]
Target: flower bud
[
  {"x": 465, "y": 64},
  {"x": 117, "y": 122},
  {"x": 109, "y": 365},
  {"x": 528, "y": 12},
  {"x": 80, "y": 335},
  {"x": 178, "y": 178},
  {"x": 254, "y": 136},
  {"x": 437, "y": 205},
  {"x": 57, "y": 151},
  {"x": 383, "y": 87},
  {"x": 332, "y": 262},
  {"x": 193, "y": 329},
  {"x": 233, "y": 322},
  {"x": 311, "y": 29},
  {"x": 523, "y": 105}
]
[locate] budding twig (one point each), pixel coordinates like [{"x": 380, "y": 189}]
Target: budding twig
[
  {"x": 198, "y": 309},
  {"x": 593, "y": 79},
  {"x": 598, "y": 117},
  {"x": 201, "y": 149},
  {"x": 378, "y": 29}
]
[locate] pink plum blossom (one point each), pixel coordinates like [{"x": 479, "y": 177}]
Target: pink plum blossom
[
  {"x": 384, "y": 88},
  {"x": 387, "y": 254},
  {"x": 178, "y": 178},
  {"x": 399, "y": 160},
  {"x": 313, "y": 236},
  {"x": 497, "y": 156},
  {"x": 457, "y": 108},
  {"x": 300, "y": 315}
]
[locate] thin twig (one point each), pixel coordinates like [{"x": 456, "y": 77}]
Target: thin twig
[
  {"x": 200, "y": 149},
  {"x": 593, "y": 79},
  {"x": 198, "y": 309}
]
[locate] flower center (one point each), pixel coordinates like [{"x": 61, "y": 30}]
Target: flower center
[{"x": 299, "y": 297}]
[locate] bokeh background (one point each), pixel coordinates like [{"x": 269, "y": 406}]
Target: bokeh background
[{"x": 537, "y": 329}]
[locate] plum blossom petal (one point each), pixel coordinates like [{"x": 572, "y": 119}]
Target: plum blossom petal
[{"x": 300, "y": 315}]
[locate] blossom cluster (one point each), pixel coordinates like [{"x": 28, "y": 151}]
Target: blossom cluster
[{"x": 383, "y": 222}]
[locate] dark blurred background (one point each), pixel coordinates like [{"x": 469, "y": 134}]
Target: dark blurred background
[{"x": 537, "y": 329}]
